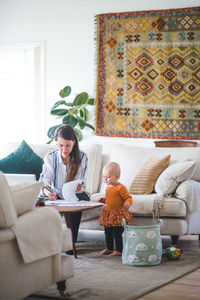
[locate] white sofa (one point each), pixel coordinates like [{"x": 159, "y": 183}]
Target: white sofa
[{"x": 180, "y": 194}]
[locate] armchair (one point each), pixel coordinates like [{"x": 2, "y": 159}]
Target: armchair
[{"x": 31, "y": 243}]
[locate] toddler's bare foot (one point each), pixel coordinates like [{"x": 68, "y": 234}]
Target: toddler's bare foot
[
  {"x": 106, "y": 251},
  {"x": 116, "y": 253}
]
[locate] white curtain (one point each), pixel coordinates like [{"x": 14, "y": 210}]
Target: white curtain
[{"x": 22, "y": 96}]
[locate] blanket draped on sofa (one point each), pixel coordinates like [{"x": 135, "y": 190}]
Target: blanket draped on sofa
[{"x": 47, "y": 239}]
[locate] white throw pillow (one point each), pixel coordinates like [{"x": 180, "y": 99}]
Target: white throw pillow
[
  {"x": 25, "y": 196},
  {"x": 170, "y": 178}
]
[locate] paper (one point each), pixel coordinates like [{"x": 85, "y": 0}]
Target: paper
[
  {"x": 66, "y": 203},
  {"x": 69, "y": 191}
]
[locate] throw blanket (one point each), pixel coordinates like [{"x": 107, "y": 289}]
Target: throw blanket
[
  {"x": 188, "y": 191},
  {"x": 39, "y": 234},
  {"x": 148, "y": 74}
]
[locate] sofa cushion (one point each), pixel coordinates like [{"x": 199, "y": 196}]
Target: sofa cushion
[
  {"x": 7, "y": 210},
  {"x": 173, "y": 175},
  {"x": 22, "y": 161},
  {"x": 171, "y": 207},
  {"x": 94, "y": 153},
  {"x": 25, "y": 196},
  {"x": 144, "y": 181},
  {"x": 131, "y": 158}
]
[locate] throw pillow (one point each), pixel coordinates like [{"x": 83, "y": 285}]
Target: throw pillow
[
  {"x": 22, "y": 161},
  {"x": 173, "y": 175},
  {"x": 25, "y": 196},
  {"x": 145, "y": 179}
]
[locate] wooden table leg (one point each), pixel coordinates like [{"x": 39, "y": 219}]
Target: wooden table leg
[{"x": 69, "y": 225}]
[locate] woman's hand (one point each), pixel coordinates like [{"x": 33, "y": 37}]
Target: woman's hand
[
  {"x": 52, "y": 196},
  {"x": 127, "y": 205},
  {"x": 49, "y": 193}
]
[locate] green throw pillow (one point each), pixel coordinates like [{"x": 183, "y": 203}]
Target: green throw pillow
[{"x": 22, "y": 161}]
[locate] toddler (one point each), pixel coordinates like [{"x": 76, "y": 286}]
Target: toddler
[{"x": 118, "y": 201}]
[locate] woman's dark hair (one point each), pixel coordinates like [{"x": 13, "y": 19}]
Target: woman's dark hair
[{"x": 66, "y": 132}]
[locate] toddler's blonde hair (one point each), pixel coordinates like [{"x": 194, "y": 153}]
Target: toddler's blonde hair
[{"x": 113, "y": 168}]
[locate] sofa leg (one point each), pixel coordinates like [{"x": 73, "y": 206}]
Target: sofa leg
[
  {"x": 174, "y": 239},
  {"x": 61, "y": 287}
]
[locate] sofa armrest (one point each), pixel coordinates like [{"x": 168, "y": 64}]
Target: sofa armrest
[{"x": 189, "y": 191}]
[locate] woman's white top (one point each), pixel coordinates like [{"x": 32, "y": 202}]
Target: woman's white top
[{"x": 54, "y": 171}]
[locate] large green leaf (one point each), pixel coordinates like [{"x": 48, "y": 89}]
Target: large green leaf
[
  {"x": 91, "y": 101},
  {"x": 81, "y": 124},
  {"x": 62, "y": 94},
  {"x": 84, "y": 124},
  {"x": 67, "y": 90},
  {"x": 56, "y": 104},
  {"x": 59, "y": 112},
  {"x": 70, "y": 120},
  {"x": 89, "y": 125},
  {"x": 78, "y": 134},
  {"x": 81, "y": 113},
  {"x": 51, "y": 131},
  {"x": 81, "y": 99},
  {"x": 84, "y": 113}
]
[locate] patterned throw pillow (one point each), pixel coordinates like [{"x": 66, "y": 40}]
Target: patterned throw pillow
[{"x": 144, "y": 181}]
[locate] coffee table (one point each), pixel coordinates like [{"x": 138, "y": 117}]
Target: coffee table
[{"x": 66, "y": 210}]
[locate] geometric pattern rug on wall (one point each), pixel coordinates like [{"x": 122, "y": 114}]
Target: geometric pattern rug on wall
[{"x": 148, "y": 74}]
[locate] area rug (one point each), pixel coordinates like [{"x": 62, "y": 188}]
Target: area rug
[
  {"x": 100, "y": 277},
  {"x": 148, "y": 74}
]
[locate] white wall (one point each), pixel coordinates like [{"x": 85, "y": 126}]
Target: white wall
[{"x": 67, "y": 27}]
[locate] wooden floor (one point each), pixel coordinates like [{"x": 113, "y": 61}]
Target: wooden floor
[{"x": 185, "y": 288}]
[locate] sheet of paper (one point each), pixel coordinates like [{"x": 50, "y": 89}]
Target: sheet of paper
[
  {"x": 69, "y": 191},
  {"x": 79, "y": 203}
]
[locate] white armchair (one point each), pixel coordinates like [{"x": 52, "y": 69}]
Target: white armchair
[{"x": 31, "y": 243}]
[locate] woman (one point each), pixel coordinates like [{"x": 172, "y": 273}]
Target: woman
[{"x": 64, "y": 164}]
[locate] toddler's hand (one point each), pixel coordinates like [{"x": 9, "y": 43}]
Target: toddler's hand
[{"x": 127, "y": 205}]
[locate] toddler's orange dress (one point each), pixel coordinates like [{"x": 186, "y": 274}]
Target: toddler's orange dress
[{"x": 114, "y": 211}]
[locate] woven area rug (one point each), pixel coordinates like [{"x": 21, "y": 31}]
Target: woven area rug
[
  {"x": 148, "y": 74},
  {"x": 100, "y": 277}
]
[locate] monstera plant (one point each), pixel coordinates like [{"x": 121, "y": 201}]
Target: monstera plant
[{"x": 73, "y": 113}]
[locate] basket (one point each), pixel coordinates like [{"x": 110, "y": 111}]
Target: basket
[{"x": 142, "y": 245}]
